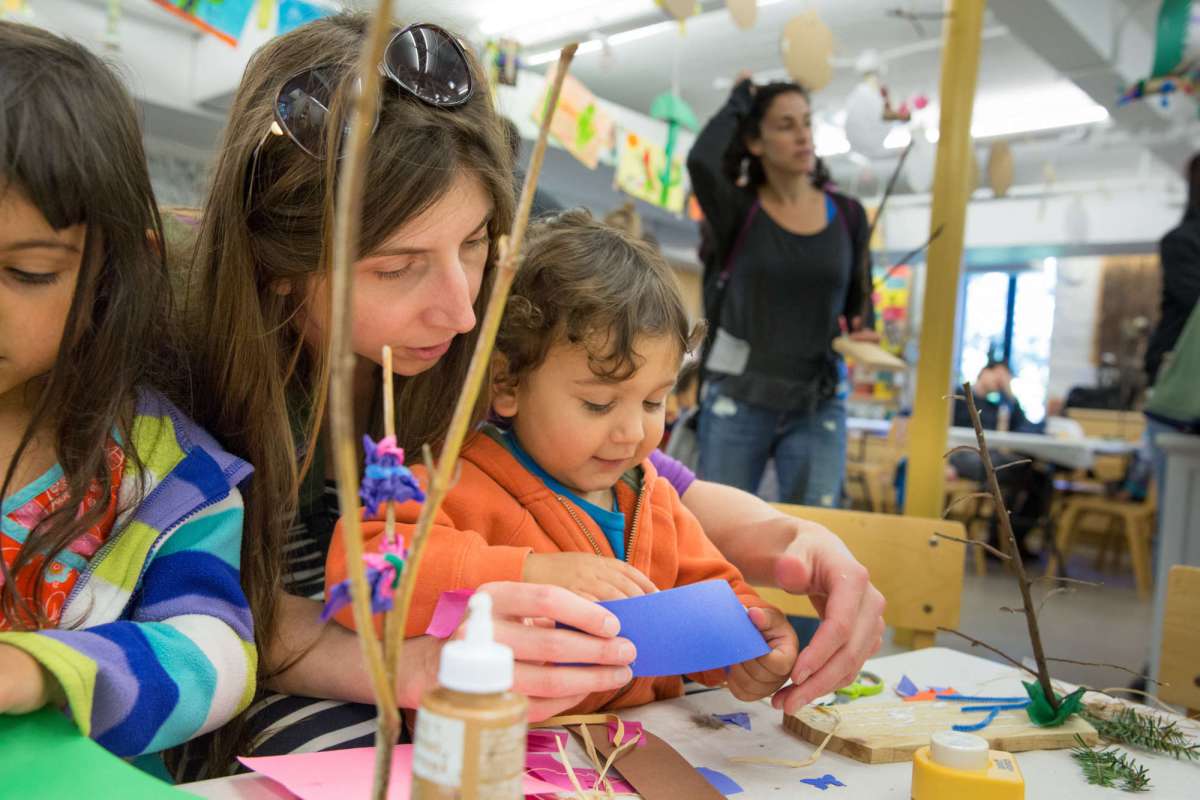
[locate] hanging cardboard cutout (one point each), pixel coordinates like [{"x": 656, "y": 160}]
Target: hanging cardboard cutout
[
  {"x": 806, "y": 47},
  {"x": 1000, "y": 168},
  {"x": 744, "y": 12}
]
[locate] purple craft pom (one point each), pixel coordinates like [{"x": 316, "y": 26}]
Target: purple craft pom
[{"x": 386, "y": 479}]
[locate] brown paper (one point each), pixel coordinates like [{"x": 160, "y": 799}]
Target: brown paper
[{"x": 656, "y": 770}]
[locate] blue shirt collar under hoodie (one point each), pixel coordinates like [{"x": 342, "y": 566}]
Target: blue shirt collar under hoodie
[{"x": 611, "y": 521}]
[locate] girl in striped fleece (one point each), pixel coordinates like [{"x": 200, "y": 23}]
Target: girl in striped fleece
[{"x": 120, "y": 520}]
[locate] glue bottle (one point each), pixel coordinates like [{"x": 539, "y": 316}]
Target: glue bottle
[{"x": 470, "y": 737}]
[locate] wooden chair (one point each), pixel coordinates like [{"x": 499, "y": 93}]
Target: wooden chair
[
  {"x": 1179, "y": 662},
  {"x": 871, "y": 468},
  {"x": 975, "y": 513},
  {"x": 1128, "y": 426},
  {"x": 920, "y": 575},
  {"x": 1129, "y": 518}
]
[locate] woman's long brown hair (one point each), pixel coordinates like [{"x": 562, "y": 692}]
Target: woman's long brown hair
[
  {"x": 70, "y": 146},
  {"x": 259, "y": 388}
]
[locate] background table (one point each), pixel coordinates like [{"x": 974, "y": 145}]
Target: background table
[
  {"x": 1049, "y": 775},
  {"x": 1070, "y": 453}
]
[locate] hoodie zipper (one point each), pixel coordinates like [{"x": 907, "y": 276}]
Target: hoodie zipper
[{"x": 637, "y": 512}]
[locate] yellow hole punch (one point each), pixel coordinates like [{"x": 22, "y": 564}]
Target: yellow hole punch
[{"x": 956, "y": 766}]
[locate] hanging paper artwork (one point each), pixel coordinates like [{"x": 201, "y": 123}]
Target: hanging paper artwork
[
  {"x": 13, "y": 9},
  {"x": 294, "y": 13},
  {"x": 641, "y": 167},
  {"x": 1176, "y": 65},
  {"x": 225, "y": 19},
  {"x": 579, "y": 124}
]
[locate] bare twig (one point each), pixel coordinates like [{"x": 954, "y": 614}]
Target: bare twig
[
  {"x": 1012, "y": 610},
  {"x": 976, "y": 643},
  {"x": 1051, "y": 593},
  {"x": 1014, "y": 464},
  {"x": 1066, "y": 580},
  {"x": 443, "y": 475},
  {"x": 1132, "y": 672},
  {"x": 976, "y": 543},
  {"x": 956, "y": 501},
  {"x": 962, "y": 448},
  {"x": 346, "y": 229},
  {"x": 1006, "y": 531}
]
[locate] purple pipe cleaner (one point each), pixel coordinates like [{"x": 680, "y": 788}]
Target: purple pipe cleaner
[
  {"x": 386, "y": 478},
  {"x": 383, "y": 576}
]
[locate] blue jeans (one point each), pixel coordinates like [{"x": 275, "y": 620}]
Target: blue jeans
[{"x": 737, "y": 439}]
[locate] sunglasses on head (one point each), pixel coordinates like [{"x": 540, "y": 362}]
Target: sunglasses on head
[{"x": 422, "y": 59}]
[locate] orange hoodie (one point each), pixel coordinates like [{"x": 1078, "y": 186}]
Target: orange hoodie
[{"x": 499, "y": 513}]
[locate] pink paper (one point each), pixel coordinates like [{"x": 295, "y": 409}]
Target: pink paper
[
  {"x": 547, "y": 767},
  {"x": 341, "y": 774},
  {"x": 632, "y": 729},
  {"x": 543, "y": 741},
  {"x": 449, "y": 612}
]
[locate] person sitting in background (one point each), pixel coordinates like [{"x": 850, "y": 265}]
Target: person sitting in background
[
  {"x": 683, "y": 408},
  {"x": 999, "y": 409},
  {"x": 1179, "y": 254}
]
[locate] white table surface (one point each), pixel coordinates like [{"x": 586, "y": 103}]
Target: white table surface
[
  {"x": 1049, "y": 775},
  {"x": 871, "y": 427},
  {"x": 1070, "y": 453}
]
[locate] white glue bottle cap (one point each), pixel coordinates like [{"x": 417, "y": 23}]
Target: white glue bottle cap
[{"x": 477, "y": 664}]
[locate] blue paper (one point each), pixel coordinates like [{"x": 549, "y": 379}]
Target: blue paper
[
  {"x": 741, "y": 719},
  {"x": 720, "y": 781},
  {"x": 906, "y": 688},
  {"x": 823, "y": 782},
  {"x": 688, "y": 629}
]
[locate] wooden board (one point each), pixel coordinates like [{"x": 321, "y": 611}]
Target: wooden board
[
  {"x": 884, "y": 733},
  {"x": 868, "y": 353}
]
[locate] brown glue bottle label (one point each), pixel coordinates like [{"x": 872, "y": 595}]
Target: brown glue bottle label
[{"x": 483, "y": 763}]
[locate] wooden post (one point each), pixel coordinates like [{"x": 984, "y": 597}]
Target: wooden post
[{"x": 939, "y": 309}]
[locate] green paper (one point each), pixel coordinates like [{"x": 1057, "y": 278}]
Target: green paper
[
  {"x": 1039, "y": 710},
  {"x": 43, "y": 755},
  {"x": 670, "y": 107}
]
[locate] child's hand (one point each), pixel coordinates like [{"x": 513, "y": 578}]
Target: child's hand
[
  {"x": 592, "y": 576},
  {"x": 24, "y": 685},
  {"x": 759, "y": 677}
]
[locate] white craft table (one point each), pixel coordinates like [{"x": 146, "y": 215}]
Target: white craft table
[
  {"x": 1049, "y": 775},
  {"x": 1069, "y": 453}
]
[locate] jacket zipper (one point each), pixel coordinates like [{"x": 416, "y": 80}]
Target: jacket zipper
[{"x": 637, "y": 512}]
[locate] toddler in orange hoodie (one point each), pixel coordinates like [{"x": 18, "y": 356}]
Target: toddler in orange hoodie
[{"x": 565, "y": 493}]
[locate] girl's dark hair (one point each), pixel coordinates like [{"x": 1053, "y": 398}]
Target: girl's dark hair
[
  {"x": 70, "y": 146},
  {"x": 740, "y": 161},
  {"x": 590, "y": 284},
  {"x": 1193, "y": 187}
]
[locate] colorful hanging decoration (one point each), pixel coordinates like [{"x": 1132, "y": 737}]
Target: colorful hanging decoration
[
  {"x": 294, "y": 13},
  {"x": 383, "y": 577},
  {"x": 1176, "y": 65},
  {"x": 641, "y": 166},
  {"x": 225, "y": 19},
  {"x": 579, "y": 124},
  {"x": 386, "y": 478},
  {"x": 807, "y": 47},
  {"x": 673, "y": 110}
]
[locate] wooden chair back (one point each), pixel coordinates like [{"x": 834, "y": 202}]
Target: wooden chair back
[{"x": 1179, "y": 661}]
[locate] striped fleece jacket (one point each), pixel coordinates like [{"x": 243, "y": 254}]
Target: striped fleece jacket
[{"x": 156, "y": 644}]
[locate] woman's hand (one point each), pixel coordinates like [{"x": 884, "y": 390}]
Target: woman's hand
[{"x": 526, "y": 618}]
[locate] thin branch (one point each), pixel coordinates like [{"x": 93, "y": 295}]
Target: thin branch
[
  {"x": 953, "y": 397},
  {"x": 1134, "y": 673},
  {"x": 976, "y": 643},
  {"x": 976, "y": 543},
  {"x": 1014, "y": 464},
  {"x": 965, "y": 497},
  {"x": 1051, "y": 593},
  {"x": 962, "y": 448},
  {"x": 1012, "y": 610},
  {"x": 1010, "y": 540},
  {"x": 1066, "y": 580}
]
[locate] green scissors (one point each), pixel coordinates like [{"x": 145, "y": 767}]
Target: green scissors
[{"x": 866, "y": 684}]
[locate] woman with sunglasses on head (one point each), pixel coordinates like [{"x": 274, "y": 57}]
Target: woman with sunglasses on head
[{"x": 438, "y": 192}]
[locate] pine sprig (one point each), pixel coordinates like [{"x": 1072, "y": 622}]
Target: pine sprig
[
  {"x": 1110, "y": 768},
  {"x": 1146, "y": 732}
]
